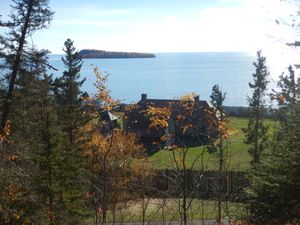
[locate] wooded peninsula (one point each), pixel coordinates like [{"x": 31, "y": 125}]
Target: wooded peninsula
[{"x": 93, "y": 53}]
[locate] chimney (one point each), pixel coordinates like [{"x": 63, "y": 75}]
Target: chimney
[
  {"x": 144, "y": 97},
  {"x": 196, "y": 98}
]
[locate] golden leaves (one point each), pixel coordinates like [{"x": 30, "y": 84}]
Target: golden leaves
[
  {"x": 5, "y": 132},
  {"x": 102, "y": 101},
  {"x": 183, "y": 114},
  {"x": 12, "y": 192},
  {"x": 188, "y": 97},
  {"x": 118, "y": 149},
  {"x": 158, "y": 116}
]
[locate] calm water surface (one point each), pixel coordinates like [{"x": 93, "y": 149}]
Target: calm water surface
[{"x": 171, "y": 75}]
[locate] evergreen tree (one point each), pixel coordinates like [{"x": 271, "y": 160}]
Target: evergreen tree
[
  {"x": 27, "y": 17},
  {"x": 68, "y": 94},
  {"x": 256, "y": 132},
  {"x": 275, "y": 185},
  {"x": 33, "y": 165},
  {"x": 47, "y": 156},
  {"x": 72, "y": 118},
  {"x": 288, "y": 88},
  {"x": 217, "y": 100}
]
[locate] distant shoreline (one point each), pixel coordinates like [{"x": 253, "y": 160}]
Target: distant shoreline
[{"x": 100, "y": 54}]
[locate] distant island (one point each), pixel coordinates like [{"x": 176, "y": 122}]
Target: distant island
[{"x": 92, "y": 53}]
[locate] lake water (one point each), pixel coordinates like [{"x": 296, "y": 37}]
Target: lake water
[{"x": 171, "y": 75}]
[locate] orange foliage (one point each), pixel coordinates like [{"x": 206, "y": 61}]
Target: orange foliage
[
  {"x": 118, "y": 148},
  {"x": 219, "y": 123},
  {"x": 5, "y": 133},
  {"x": 181, "y": 111},
  {"x": 12, "y": 192},
  {"x": 14, "y": 157},
  {"x": 118, "y": 157},
  {"x": 281, "y": 99}
]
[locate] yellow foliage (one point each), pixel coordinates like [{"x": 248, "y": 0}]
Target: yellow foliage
[
  {"x": 119, "y": 158},
  {"x": 117, "y": 148},
  {"x": 188, "y": 97},
  {"x": 102, "y": 101},
  {"x": 158, "y": 116},
  {"x": 103, "y": 94},
  {"x": 26, "y": 221}
]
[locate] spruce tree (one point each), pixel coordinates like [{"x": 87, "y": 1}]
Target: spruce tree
[
  {"x": 256, "y": 132},
  {"x": 26, "y": 18},
  {"x": 72, "y": 118},
  {"x": 217, "y": 100},
  {"x": 48, "y": 156},
  {"x": 33, "y": 151},
  {"x": 273, "y": 195},
  {"x": 288, "y": 88},
  {"x": 68, "y": 93}
]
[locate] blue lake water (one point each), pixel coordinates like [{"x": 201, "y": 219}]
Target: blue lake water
[{"x": 171, "y": 75}]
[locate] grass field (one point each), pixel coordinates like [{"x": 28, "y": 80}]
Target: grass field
[
  {"x": 167, "y": 210},
  {"x": 236, "y": 151}
]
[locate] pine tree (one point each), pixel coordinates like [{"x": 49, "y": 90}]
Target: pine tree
[{"x": 256, "y": 132}]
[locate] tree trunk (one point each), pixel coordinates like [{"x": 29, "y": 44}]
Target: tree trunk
[
  {"x": 255, "y": 153},
  {"x": 221, "y": 162}
]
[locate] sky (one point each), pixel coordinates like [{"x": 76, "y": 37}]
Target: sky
[{"x": 169, "y": 25}]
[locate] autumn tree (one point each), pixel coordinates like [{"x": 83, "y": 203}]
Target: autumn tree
[
  {"x": 112, "y": 170},
  {"x": 111, "y": 153},
  {"x": 179, "y": 119},
  {"x": 256, "y": 132}
]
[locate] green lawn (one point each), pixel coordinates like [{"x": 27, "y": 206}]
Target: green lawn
[{"x": 236, "y": 151}]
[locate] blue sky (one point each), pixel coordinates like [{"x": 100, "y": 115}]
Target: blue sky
[{"x": 166, "y": 25}]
